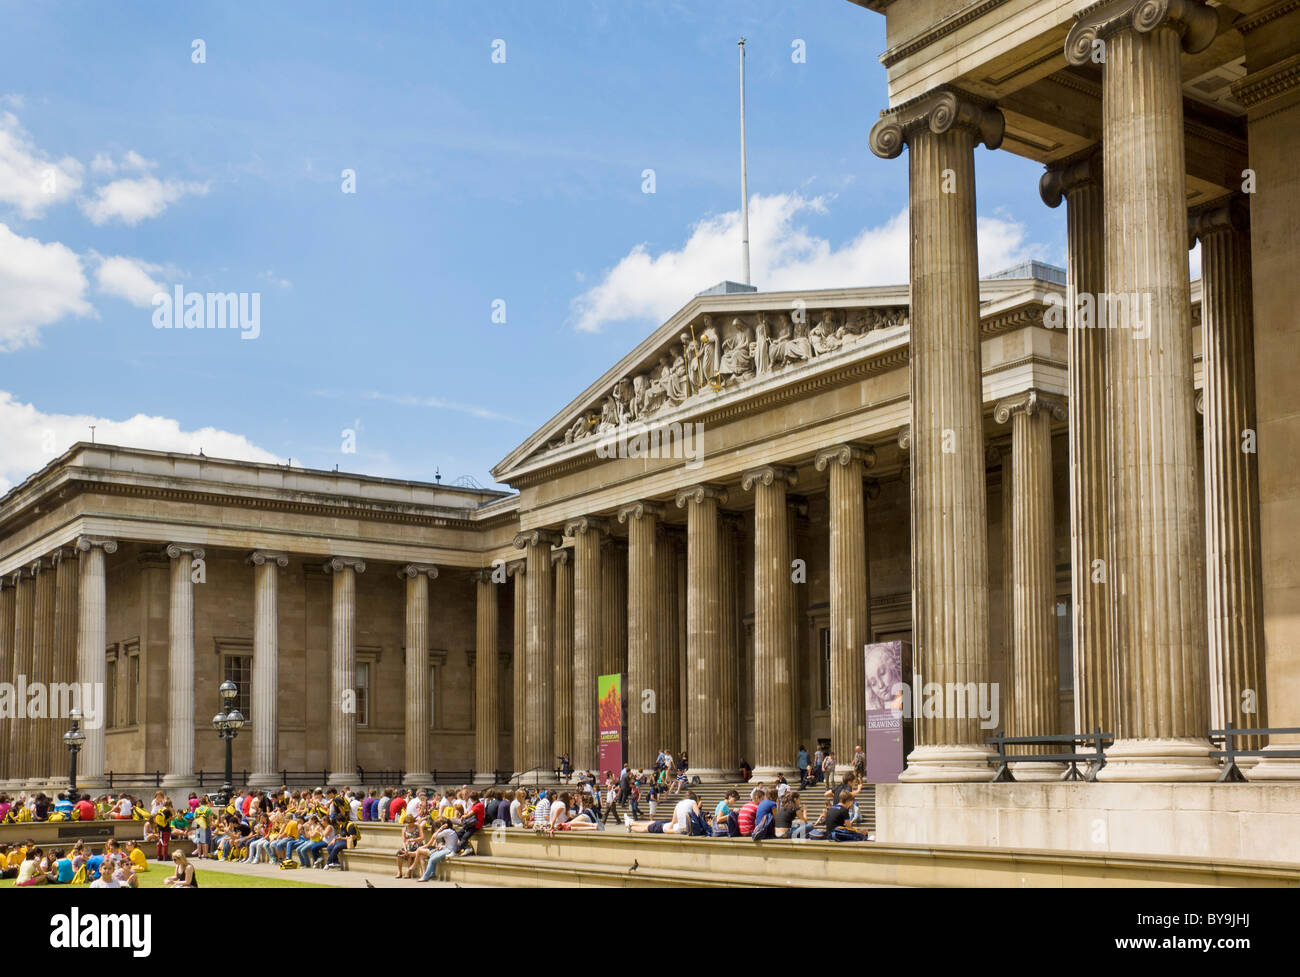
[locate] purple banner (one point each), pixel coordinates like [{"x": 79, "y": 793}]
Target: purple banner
[{"x": 886, "y": 689}]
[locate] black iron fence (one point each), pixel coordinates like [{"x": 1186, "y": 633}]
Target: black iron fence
[
  {"x": 1094, "y": 757},
  {"x": 1231, "y": 773}
]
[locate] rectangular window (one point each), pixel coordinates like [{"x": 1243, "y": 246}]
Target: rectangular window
[
  {"x": 132, "y": 705},
  {"x": 824, "y": 664},
  {"x": 110, "y": 690},
  {"x": 239, "y": 669},
  {"x": 362, "y": 683}
]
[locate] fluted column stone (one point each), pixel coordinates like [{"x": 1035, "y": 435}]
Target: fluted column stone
[
  {"x": 1035, "y": 662},
  {"x": 518, "y": 571},
  {"x": 43, "y": 617},
  {"x": 1158, "y": 562},
  {"x": 487, "y": 710},
  {"x": 539, "y": 653},
  {"x": 705, "y": 648},
  {"x": 641, "y": 519},
  {"x": 949, "y": 514},
  {"x": 6, "y": 671},
  {"x": 92, "y": 643},
  {"x": 264, "y": 696},
  {"x": 1234, "y": 619},
  {"x": 343, "y": 669},
  {"x": 562, "y": 568},
  {"x": 1078, "y": 182},
  {"x": 67, "y": 692},
  {"x": 587, "y": 532},
  {"x": 180, "y": 667},
  {"x": 729, "y": 705},
  {"x": 416, "y": 757},
  {"x": 668, "y": 682},
  {"x": 850, "y": 595},
  {"x": 774, "y": 673}
]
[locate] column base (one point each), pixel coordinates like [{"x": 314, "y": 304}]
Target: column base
[
  {"x": 948, "y": 764},
  {"x": 342, "y": 780},
  {"x": 264, "y": 780},
  {"x": 1273, "y": 768},
  {"x": 484, "y": 779},
  {"x": 769, "y": 774},
  {"x": 714, "y": 775},
  {"x": 1146, "y": 761},
  {"x": 1038, "y": 773},
  {"x": 417, "y": 779}
]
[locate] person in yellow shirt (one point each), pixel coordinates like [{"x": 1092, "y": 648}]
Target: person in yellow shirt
[
  {"x": 281, "y": 847},
  {"x": 138, "y": 860}
]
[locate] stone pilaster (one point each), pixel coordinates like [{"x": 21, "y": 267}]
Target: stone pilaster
[
  {"x": 343, "y": 669},
  {"x": 949, "y": 515},
  {"x": 180, "y": 667},
  {"x": 264, "y": 697},
  {"x": 562, "y": 568},
  {"x": 487, "y": 711},
  {"x": 1234, "y": 619},
  {"x": 774, "y": 665},
  {"x": 418, "y": 768},
  {"x": 1158, "y": 571},
  {"x": 705, "y": 652},
  {"x": 92, "y": 643},
  {"x": 643, "y": 736},
  {"x": 65, "y": 659},
  {"x": 6, "y": 669},
  {"x": 850, "y": 595},
  {"x": 669, "y": 699},
  {"x": 519, "y": 665},
  {"x": 1078, "y": 182},
  {"x": 42, "y": 747},
  {"x": 1035, "y": 664},
  {"x": 587, "y": 633},
  {"x": 539, "y": 730}
]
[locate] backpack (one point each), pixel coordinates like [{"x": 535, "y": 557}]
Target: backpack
[{"x": 698, "y": 825}]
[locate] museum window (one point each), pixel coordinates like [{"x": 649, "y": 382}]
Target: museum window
[
  {"x": 131, "y": 701},
  {"x": 824, "y": 667},
  {"x": 110, "y": 688},
  {"x": 239, "y": 669},
  {"x": 361, "y": 681}
]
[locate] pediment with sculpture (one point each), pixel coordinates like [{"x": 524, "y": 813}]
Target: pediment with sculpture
[{"x": 722, "y": 352}]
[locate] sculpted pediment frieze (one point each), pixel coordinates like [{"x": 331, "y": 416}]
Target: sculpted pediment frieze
[{"x": 716, "y": 353}]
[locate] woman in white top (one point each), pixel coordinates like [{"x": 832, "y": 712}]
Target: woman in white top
[
  {"x": 516, "y": 819},
  {"x": 559, "y": 813},
  {"x": 681, "y": 822}
]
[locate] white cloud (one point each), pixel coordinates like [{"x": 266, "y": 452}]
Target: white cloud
[
  {"x": 39, "y": 284},
  {"x": 1194, "y": 261},
  {"x": 135, "y": 199},
  {"x": 104, "y": 164},
  {"x": 437, "y": 403},
  {"x": 785, "y": 256},
  {"x": 129, "y": 278},
  {"x": 29, "y": 180},
  {"x": 34, "y": 438}
]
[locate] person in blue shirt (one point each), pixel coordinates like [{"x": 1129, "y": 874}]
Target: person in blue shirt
[
  {"x": 765, "y": 817},
  {"x": 92, "y": 866},
  {"x": 63, "y": 806},
  {"x": 63, "y": 871}
]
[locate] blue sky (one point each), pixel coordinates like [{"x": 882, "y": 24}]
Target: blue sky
[{"x": 475, "y": 181}]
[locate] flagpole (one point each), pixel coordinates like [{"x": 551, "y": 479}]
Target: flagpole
[{"x": 744, "y": 179}]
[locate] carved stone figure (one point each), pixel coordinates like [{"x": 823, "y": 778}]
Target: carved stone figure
[
  {"x": 824, "y": 336},
  {"x": 737, "y": 360},
  {"x": 679, "y": 387},
  {"x": 761, "y": 349}
]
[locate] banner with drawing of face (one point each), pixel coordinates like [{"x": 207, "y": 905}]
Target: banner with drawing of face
[{"x": 885, "y": 694}]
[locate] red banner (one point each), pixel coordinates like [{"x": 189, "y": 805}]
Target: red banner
[{"x": 609, "y": 724}]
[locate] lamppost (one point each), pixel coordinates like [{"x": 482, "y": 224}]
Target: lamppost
[
  {"x": 227, "y": 724},
  {"x": 73, "y": 739}
]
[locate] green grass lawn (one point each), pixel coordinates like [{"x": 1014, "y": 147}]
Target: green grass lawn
[{"x": 153, "y": 879}]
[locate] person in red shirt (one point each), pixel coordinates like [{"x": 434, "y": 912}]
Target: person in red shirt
[
  {"x": 472, "y": 821},
  {"x": 85, "y": 810},
  {"x": 396, "y": 806},
  {"x": 746, "y": 817}
]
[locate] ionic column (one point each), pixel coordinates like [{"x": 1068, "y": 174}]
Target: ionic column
[
  {"x": 539, "y": 732},
  {"x": 343, "y": 669},
  {"x": 1035, "y": 664},
  {"x": 92, "y": 644},
  {"x": 6, "y": 669},
  {"x": 729, "y": 706},
  {"x": 21, "y": 769},
  {"x": 949, "y": 516},
  {"x": 587, "y": 634},
  {"x": 643, "y": 737},
  {"x": 265, "y": 693},
  {"x": 180, "y": 667},
  {"x": 774, "y": 735},
  {"x": 1078, "y": 182},
  {"x": 667, "y": 658},
  {"x": 562, "y": 569},
  {"x": 613, "y": 651},
  {"x": 1158, "y": 572},
  {"x": 1235, "y": 621},
  {"x": 706, "y": 651},
  {"x": 65, "y": 660},
  {"x": 487, "y": 711},
  {"x": 42, "y": 746},
  {"x": 519, "y": 666},
  {"x": 850, "y": 596},
  {"x": 417, "y": 577}
]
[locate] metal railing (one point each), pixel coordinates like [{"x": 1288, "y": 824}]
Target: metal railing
[
  {"x": 1095, "y": 758},
  {"x": 1231, "y": 773}
]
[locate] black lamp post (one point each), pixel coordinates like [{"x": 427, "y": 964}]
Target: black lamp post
[
  {"x": 73, "y": 740},
  {"x": 227, "y": 724}
]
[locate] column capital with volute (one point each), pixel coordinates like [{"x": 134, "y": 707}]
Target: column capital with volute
[
  {"x": 1230, "y": 216},
  {"x": 700, "y": 493},
  {"x": 937, "y": 111},
  {"x": 636, "y": 510},
  {"x": 1073, "y": 172},
  {"x": 259, "y": 558},
  {"x": 85, "y": 543},
  {"x": 536, "y": 537},
  {"x": 846, "y": 454},
  {"x": 413, "y": 570},
  {"x": 586, "y": 524},
  {"x": 1196, "y": 23},
  {"x": 1029, "y": 402},
  {"x": 177, "y": 550},
  {"x": 767, "y": 475},
  {"x": 335, "y": 564}
]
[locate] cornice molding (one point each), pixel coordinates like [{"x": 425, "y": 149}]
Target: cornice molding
[
  {"x": 950, "y": 24},
  {"x": 1268, "y": 83},
  {"x": 936, "y": 111},
  {"x": 1196, "y": 24},
  {"x": 1255, "y": 21}
]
